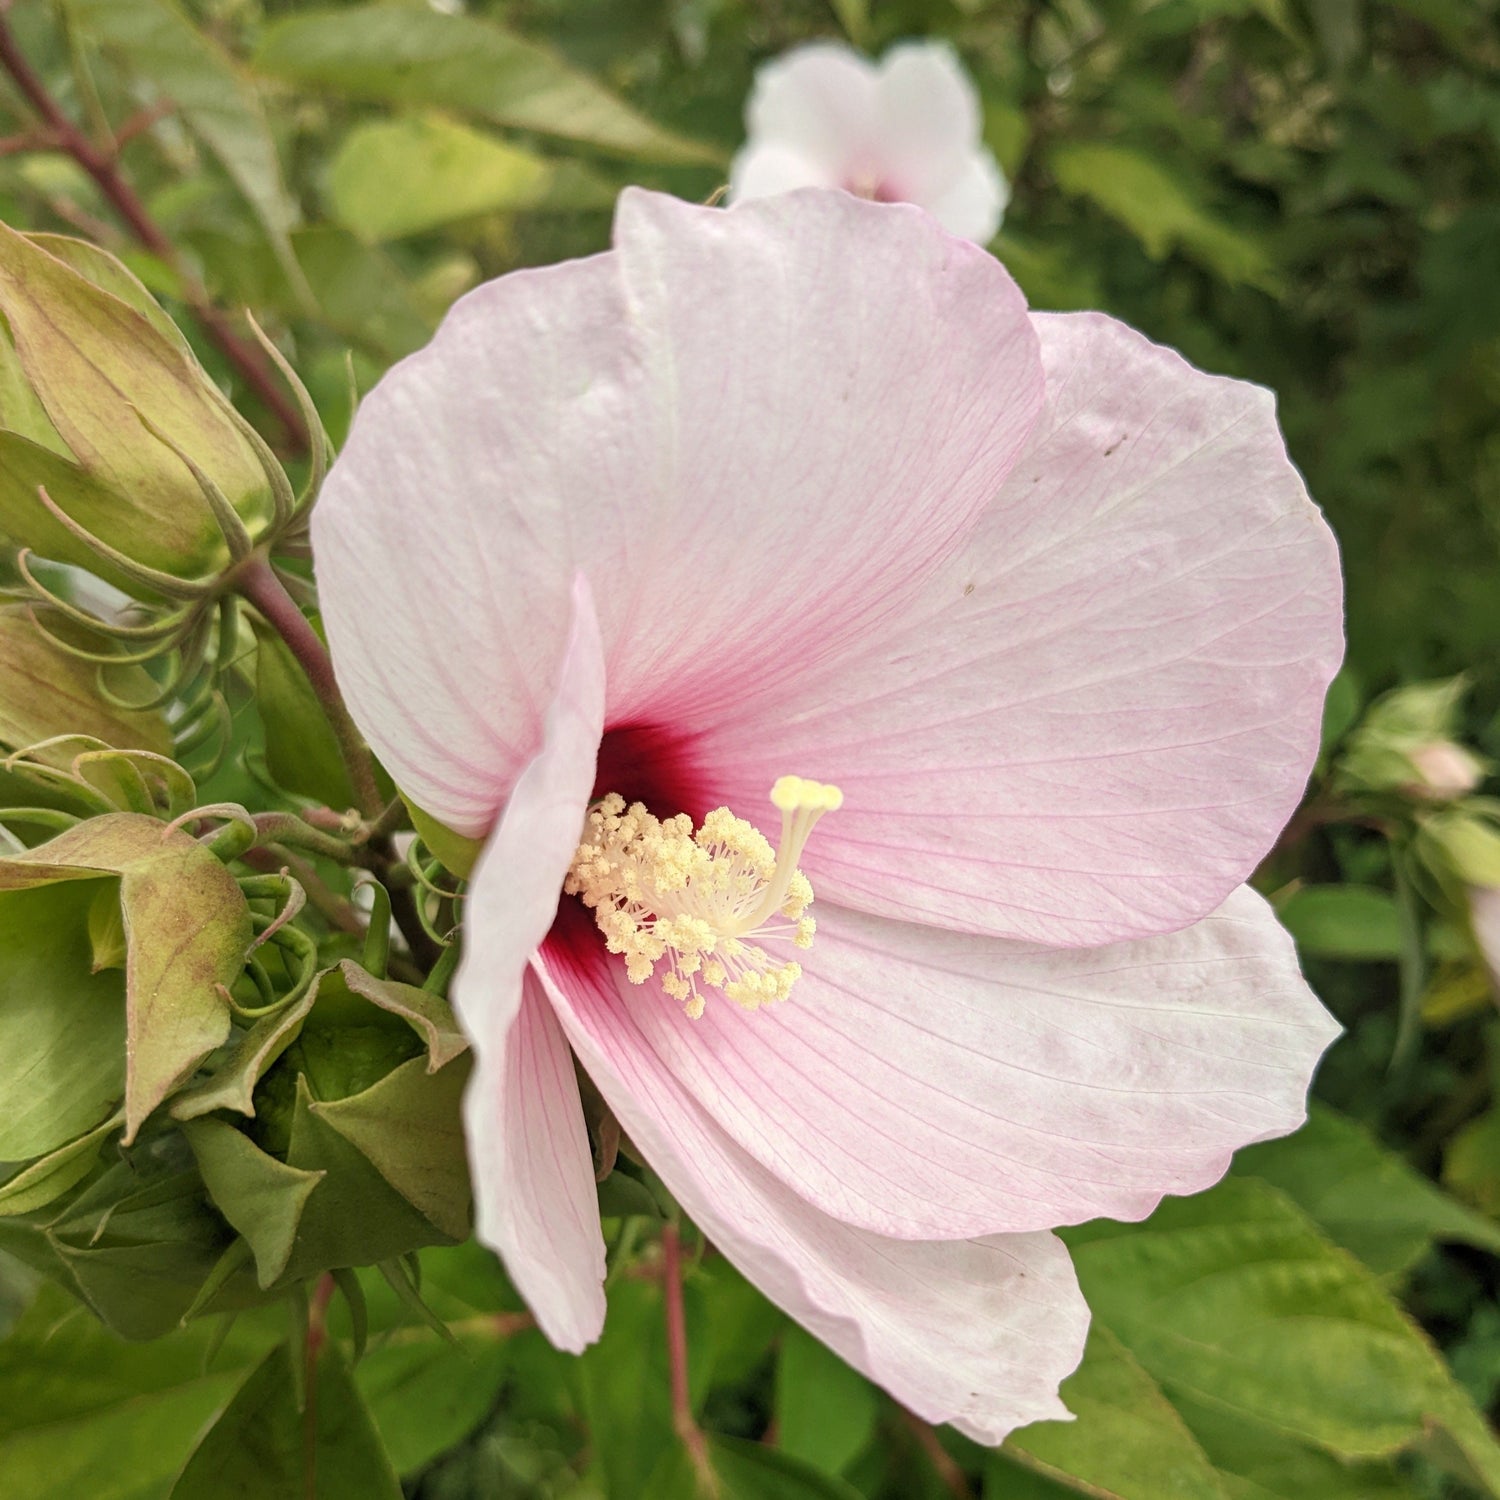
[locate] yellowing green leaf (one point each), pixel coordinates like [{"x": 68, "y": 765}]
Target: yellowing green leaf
[
  {"x": 62, "y": 1028},
  {"x": 45, "y": 692},
  {"x": 187, "y": 929},
  {"x": 448, "y": 171}
]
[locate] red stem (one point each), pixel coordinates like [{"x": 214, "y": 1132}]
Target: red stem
[
  {"x": 688, "y": 1430},
  {"x": 944, "y": 1465},
  {"x": 103, "y": 167},
  {"x": 317, "y": 1336},
  {"x": 258, "y": 582}
]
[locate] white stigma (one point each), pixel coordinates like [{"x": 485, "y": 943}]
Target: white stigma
[{"x": 701, "y": 904}]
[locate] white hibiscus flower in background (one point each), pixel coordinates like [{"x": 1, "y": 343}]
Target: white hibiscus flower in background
[{"x": 905, "y": 130}]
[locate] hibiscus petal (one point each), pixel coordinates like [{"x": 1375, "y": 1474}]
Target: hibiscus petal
[
  {"x": 929, "y": 121},
  {"x": 978, "y": 1333},
  {"x": 1095, "y": 722},
  {"x": 973, "y": 203},
  {"x": 820, "y": 101},
  {"x": 928, "y": 1084},
  {"x": 753, "y": 430},
  {"x": 761, "y": 170},
  {"x": 528, "y": 1149}
]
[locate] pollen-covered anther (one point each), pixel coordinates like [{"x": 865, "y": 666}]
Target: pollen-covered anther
[{"x": 695, "y": 908}]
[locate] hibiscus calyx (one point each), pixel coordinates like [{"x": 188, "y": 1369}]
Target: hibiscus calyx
[{"x": 701, "y": 903}]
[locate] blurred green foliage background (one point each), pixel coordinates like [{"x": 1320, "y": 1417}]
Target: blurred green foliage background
[{"x": 1299, "y": 192}]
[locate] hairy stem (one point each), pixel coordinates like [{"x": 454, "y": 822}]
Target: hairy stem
[{"x": 103, "y": 166}]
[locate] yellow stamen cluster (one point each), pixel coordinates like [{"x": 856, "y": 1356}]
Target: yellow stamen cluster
[{"x": 700, "y": 904}]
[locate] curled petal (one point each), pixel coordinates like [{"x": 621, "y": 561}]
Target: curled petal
[
  {"x": 528, "y": 1148},
  {"x": 978, "y": 1333}
]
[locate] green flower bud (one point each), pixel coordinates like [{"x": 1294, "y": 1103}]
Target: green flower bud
[
  {"x": 117, "y": 452},
  {"x": 1461, "y": 845},
  {"x": 1406, "y": 745}
]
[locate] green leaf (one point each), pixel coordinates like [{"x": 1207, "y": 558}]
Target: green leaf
[
  {"x": 373, "y": 1170},
  {"x": 825, "y": 1411},
  {"x": 408, "y": 1127},
  {"x": 427, "y": 1396},
  {"x": 1344, "y": 921},
  {"x": 232, "y": 1083},
  {"x": 1233, "y": 1299},
  {"x": 429, "y": 1015},
  {"x": 302, "y": 752},
  {"x": 187, "y": 929},
  {"x": 257, "y": 1450},
  {"x": 458, "y": 852},
  {"x": 137, "y": 1242},
  {"x": 449, "y": 172},
  {"x": 62, "y": 1027},
  {"x": 1362, "y": 1196},
  {"x": 45, "y": 691},
  {"x": 84, "y": 1414},
  {"x": 261, "y": 1197},
  {"x": 46, "y": 1180},
  {"x": 622, "y": 1196},
  {"x": 623, "y": 1383},
  {"x": 154, "y": 40},
  {"x": 362, "y": 295},
  {"x": 1340, "y": 711},
  {"x": 1471, "y": 1165},
  {"x": 745, "y": 1471},
  {"x": 1255, "y": 1463},
  {"x": 1158, "y": 210},
  {"x": 1128, "y": 1441},
  {"x": 393, "y": 54}
]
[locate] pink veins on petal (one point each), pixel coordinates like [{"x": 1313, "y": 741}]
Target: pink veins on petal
[{"x": 1032, "y": 620}]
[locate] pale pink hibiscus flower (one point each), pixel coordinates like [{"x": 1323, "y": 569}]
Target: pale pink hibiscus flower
[
  {"x": 905, "y": 130},
  {"x": 800, "y": 488}
]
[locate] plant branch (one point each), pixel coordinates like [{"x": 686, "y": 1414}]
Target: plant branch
[
  {"x": 102, "y": 165},
  {"x": 688, "y": 1431},
  {"x": 317, "y": 1336},
  {"x": 257, "y": 581},
  {"x": 944, "y": 1465}
]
